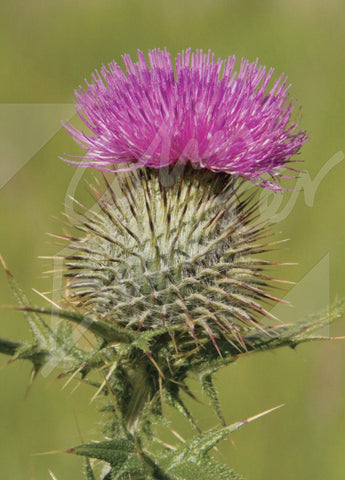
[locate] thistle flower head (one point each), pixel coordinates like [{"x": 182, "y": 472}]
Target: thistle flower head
[
  {"x": 205, "y": 114},
  {"x": 168, "y": 259}
]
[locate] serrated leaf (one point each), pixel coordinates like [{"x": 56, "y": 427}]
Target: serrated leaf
[
  {"x": 107, "y": 332},
  {"x": 64, "y": 335},
  {"x": 192, "y": 459},
  {"x": 207, "y": 469},
  {"x": 115, "y": 452},
  {"x": 294, "y": 334},
  {"x": 40, "y": 330},
  {"x": 208, "y": 387},
  {"x": 124, "y": 458}
]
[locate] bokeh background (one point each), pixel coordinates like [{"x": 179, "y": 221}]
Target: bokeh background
[{"x": 47, "y": 49}]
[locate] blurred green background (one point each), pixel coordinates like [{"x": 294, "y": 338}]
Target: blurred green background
[{"x": 47, "y": 49}]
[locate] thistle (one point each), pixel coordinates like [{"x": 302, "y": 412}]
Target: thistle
[{"x": 166, "y": 271}]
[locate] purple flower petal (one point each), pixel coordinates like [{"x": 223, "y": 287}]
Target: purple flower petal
[{"x": 205, "y": 113}]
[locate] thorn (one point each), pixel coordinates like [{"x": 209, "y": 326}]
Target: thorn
[
  {"x": 47, "y": 299},
  {"x": 161, "y": 392},
  {"x": 209, "y": 331},
  {"x": 74, "y": 374},
  {"x": 76, "y": 387},
  {"x": 63, "y": 237},
  {"x": 285, "y": 264},
  {"x": 6, "y": 364},
  {"x": 155, "y": 364},
  {"x": 233, "y": 442},
  {"x": 177, "y": 435},
  {"x": 105, "y": 382},
  {"x": 50, "y": 453},
  {"x": 279, "y": 280},
  {"x": 52, "y": 475},
  {"x": 69, "y": 450},
  {"x": 5, "y": 266},
  {"x": 166, "y": 445},
  {"x": 322, "y": 337},
  {"x": 32, "y": 377},
  {"x": 55, "y": 379},
  {"x": 12, "y": 307},
  {"x": 259, "y": 415}
]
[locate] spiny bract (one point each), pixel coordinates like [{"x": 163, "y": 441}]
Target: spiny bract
[{"x": 172, "y": 248}]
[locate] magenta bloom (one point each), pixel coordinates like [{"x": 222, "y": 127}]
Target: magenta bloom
[{"x": 205, "y": 113}]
